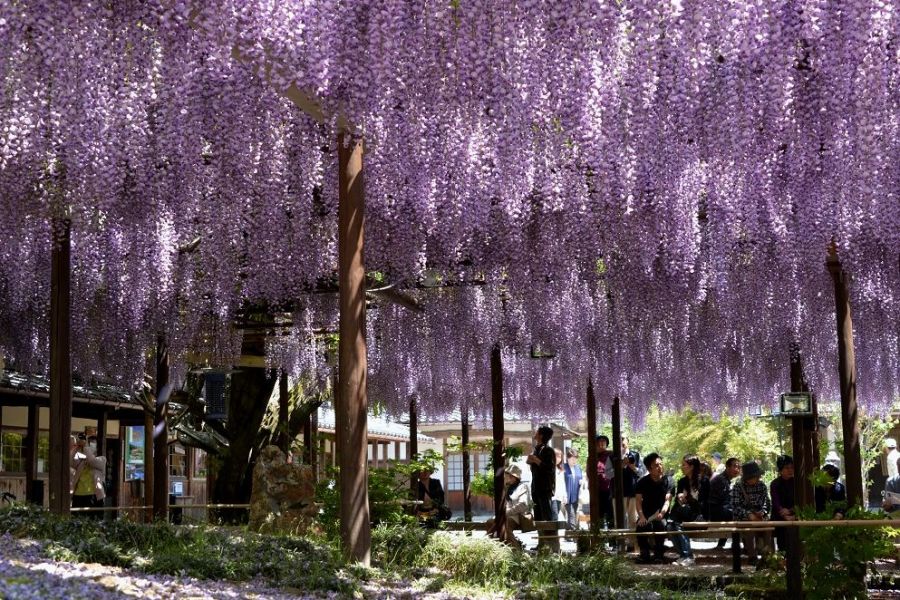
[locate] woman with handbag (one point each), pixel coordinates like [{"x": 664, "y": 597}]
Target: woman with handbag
[{"x": 691, "y": 504}]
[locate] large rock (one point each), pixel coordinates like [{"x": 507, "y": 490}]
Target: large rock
[{"x": 283, "y": 494}]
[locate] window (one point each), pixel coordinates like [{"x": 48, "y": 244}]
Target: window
[
  {"x": 43, "y": 453},
  {"x": 455, "y": 470},
  {"x": 199, "y": 463},
  {"x": 177, "y": 461},
  {"x": 482, "y": 462},
  {"x": 12, "y": 452}
]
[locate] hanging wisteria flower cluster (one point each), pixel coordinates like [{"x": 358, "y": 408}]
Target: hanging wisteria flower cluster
[{"x": 649, "y": 188}]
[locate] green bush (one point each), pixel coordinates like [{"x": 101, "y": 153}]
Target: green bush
[
  {"x": 475, "y": 561},
  {"x": 837, "y": 558}
]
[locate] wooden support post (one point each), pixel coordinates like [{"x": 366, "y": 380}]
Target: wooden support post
[
  {"x": 804, "y": 434},
  {"x": 351, "y": 414},
  {"x": 803, "y": 489},
  {"x": 499, "y": 452},
  {"x": 618, "y": 484},
  {"x": 161, "y": 435},
  {"x": 315, "y": 445},
  {"x": 847, "y": 372},
  {"x": 284, "y": 439},
  {"x": 591, "y": 468},
  {"x": 102, "y": 425},
  {"x": 31, "y": 446},
  {"x": 148, "y": 464},
  {"x": 60, "y": 368},
  {"x": 466, "y": 465},
  {"x": 413, "y": 445}
]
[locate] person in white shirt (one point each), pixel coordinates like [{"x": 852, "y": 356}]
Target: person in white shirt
[
  {"x": 560, "y": 499},
  {"x": 890, "y": 448}
]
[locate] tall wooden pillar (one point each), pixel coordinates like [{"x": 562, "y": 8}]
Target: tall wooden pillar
[
  {"x": 315, "y": 444},
  {"x": 804, "y": 436},
  {"x": 466, "y": 465},
  {"x": 102, "y": 424},
  {"x": 60, "y": 368},
  {"x": 499, "y": 452},
  {"x": 618, "y": 484},
  {"x": 31, "y": 446},
  {"x": 351, "y": 414},
  {"x": 591, "y": 468},
  {"x": 161, "y": 434},
  {"x": 148, "y": 464},
  {"x": 284, "y": 438},
  {"x": 413, "y": 444},
  {"x": 847, "y": 374}
]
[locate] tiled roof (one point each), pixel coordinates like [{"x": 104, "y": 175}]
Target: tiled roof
[
  {"x": 39, "y": 385},
  {"x": 378, "y": 426}
]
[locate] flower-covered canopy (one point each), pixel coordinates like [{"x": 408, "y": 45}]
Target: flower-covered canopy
[{"x": 647, "y": 188}]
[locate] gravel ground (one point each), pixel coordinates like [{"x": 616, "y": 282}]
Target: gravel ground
[{"x": 26, "y": 573}]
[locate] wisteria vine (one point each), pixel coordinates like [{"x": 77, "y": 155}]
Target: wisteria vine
[{"x": 649, "y": 188}]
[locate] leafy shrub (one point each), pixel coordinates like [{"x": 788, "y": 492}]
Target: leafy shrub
[
  {"x": 837, "y": 558},
  {"x": 476, "y": 561},
  {"x": 398, "y": 546}
]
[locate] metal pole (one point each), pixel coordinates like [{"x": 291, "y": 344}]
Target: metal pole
[
  {"x": 351, "y": 414},
  {"x": 60, "y": 368},
  {"x": 161, "y": 435},
  {"x": 498, "y": 454},
  {"x": 847, "y": 373}
]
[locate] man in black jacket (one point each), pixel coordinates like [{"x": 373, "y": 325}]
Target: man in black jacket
[{"x": 543, "y": 473}]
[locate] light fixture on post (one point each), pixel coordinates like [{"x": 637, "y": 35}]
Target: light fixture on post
[{"x": 796, "y": 404}]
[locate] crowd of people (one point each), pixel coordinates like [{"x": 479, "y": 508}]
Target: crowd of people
[
  {"x": 657, "y": 503},
  {"x": 654, "y": 502}
]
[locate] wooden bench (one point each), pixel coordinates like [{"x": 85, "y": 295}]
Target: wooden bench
[{"x": 465, "y": 525}]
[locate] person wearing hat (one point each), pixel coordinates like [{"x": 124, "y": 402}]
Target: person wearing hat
[
  {"x": 890, "y": 450},
  {"x": 518, "y": 506},
  {"x": 782, "y": 490},
  {"x": 750, "y": 502}
]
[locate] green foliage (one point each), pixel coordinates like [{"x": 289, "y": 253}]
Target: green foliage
[
  {"x": 388, "y": 489},
  {"x": 475, "y": 561},
  {"x": 482, "y": 484},
  {"x": 837, "y": 558},
  {"x": 674, "y": 434},
  {"x": 205, "y": 553},
  {"x": 872, "y": 431}
]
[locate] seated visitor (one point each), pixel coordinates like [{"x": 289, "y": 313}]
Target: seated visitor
[
  {"x": 518, "y": 506},
  {"x": 691, "y": 504},
  {"x": 782, "y": 490},
  {"x": 832, "y": 494},
  {"x": 750, "y": 502},
  {"x": 431, "y": 495},
  {"x": 720, "y": 494},
  {"x": 652, "y": 495}
]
